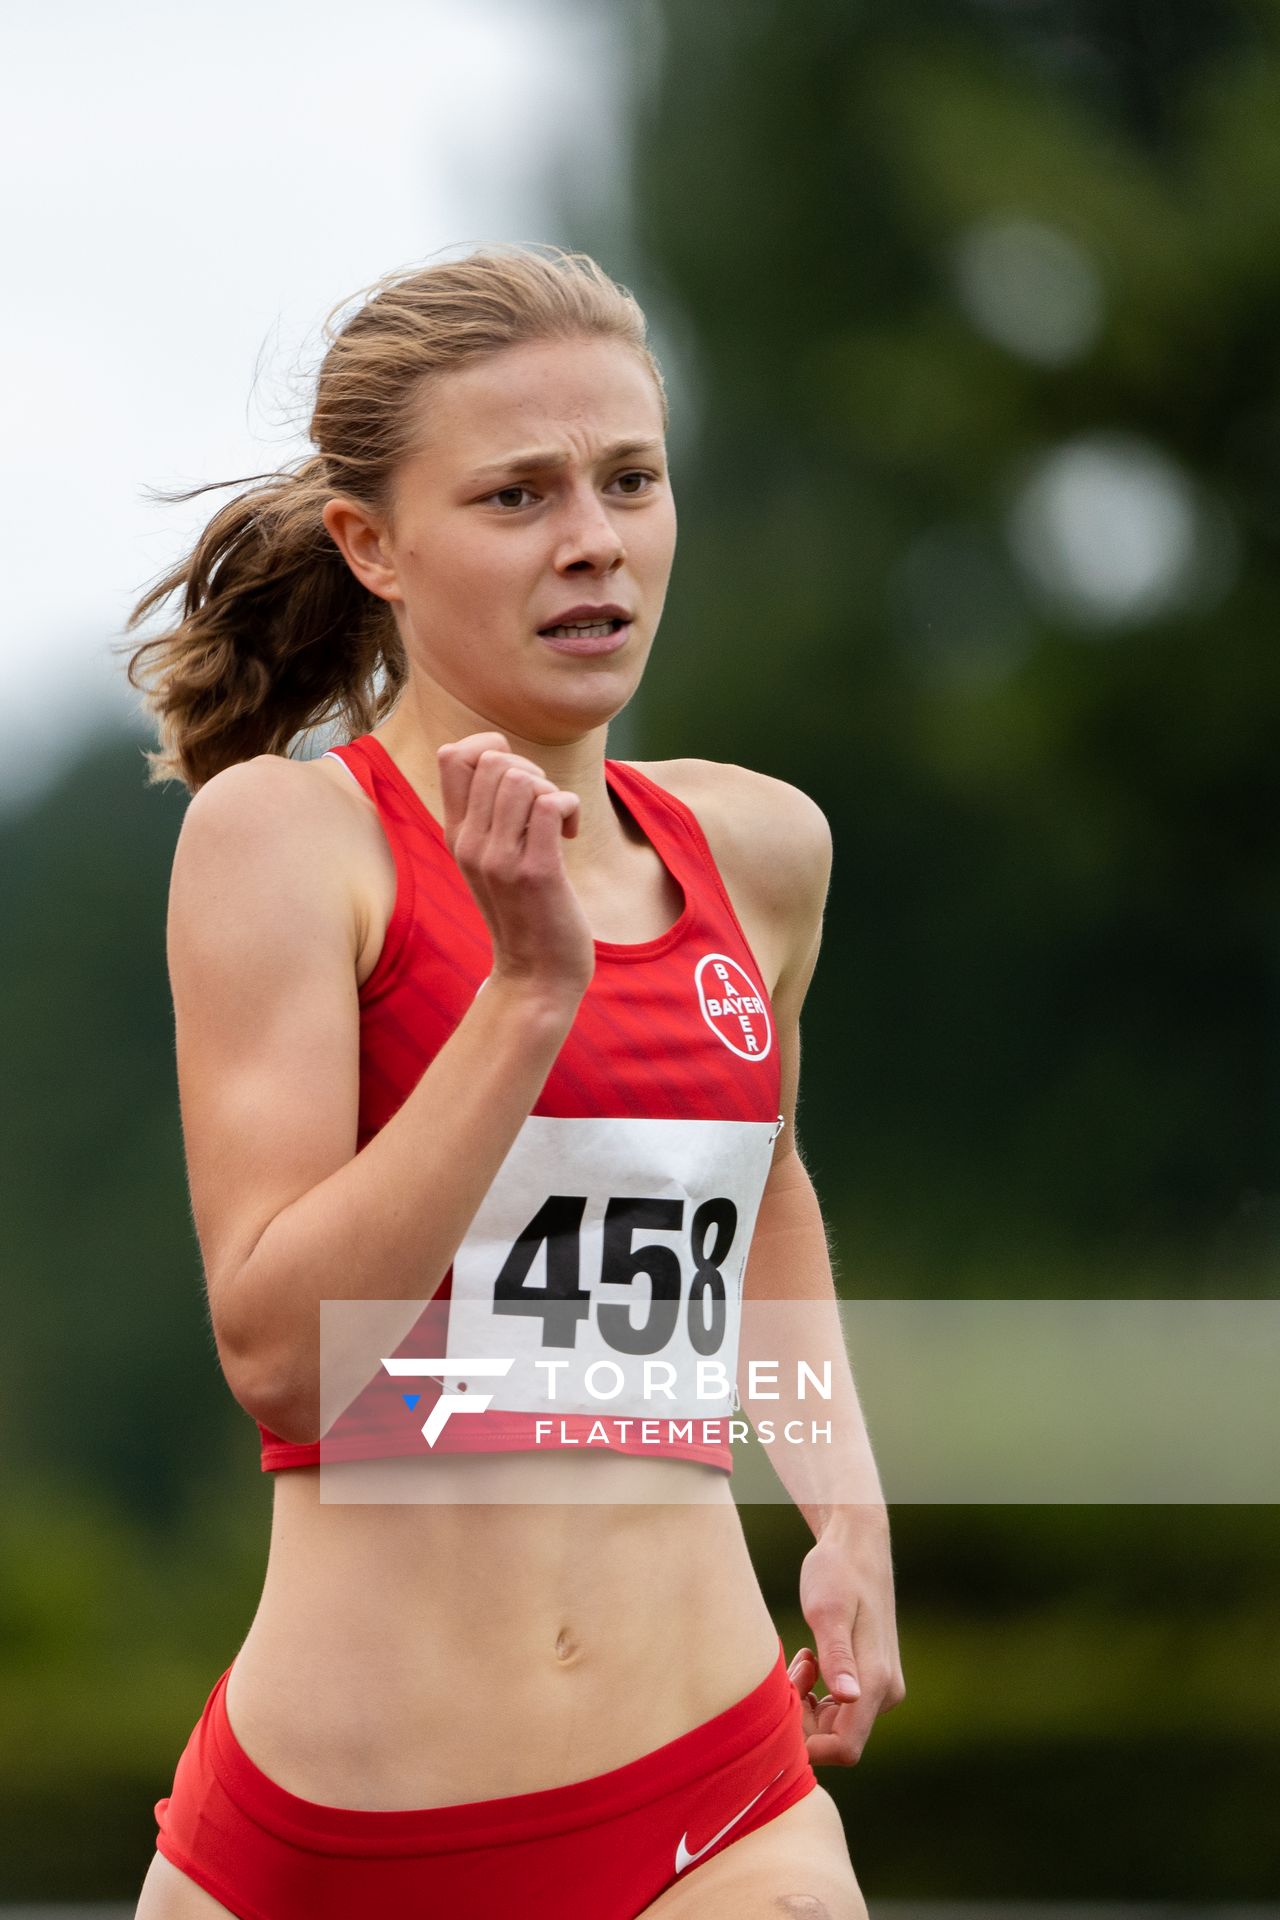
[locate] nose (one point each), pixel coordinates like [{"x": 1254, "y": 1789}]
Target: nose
[{"x": 589, "y": 538}]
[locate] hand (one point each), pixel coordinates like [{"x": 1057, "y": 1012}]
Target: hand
[
  {"x": 846, "y": 1595},
  {"x": 503, "y": 824}
]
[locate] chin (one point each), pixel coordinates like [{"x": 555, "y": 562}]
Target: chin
[{"x": 592, "y": 702}]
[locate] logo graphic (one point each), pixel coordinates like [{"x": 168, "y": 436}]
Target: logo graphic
[
  {"x": 686, "y": 1859},
  {"x": 432, "y": 1368},
  {"x": 733, "y": 1006}
]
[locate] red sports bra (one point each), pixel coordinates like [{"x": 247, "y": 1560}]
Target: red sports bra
[{"x": 602, "y": 1275}]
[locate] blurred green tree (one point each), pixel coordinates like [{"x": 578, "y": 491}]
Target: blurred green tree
[
  {"x": 971, "y": 310},
  {"x": 109, "y": 1369}
]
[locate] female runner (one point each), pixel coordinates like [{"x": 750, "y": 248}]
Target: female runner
[{"x": 532, "y": 1709}]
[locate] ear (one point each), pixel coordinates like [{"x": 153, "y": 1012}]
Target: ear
[{"x": 361, "y": 541}]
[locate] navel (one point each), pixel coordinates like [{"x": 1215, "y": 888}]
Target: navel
[{"x": 567, "y": 1648}]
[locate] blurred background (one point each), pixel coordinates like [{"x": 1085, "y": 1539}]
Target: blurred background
[{"x": 971, "y": 317}]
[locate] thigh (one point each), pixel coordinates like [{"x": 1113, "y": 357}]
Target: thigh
[
  {"x": 168, "y": 1894},
  {"x": 795, "y": 1867}
]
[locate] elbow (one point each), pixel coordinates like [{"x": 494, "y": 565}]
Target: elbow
[
  {"x": 281, "y": 1405},
  {"x": 270, "y": 1395},
  {"x": 267, "y": 1382}
]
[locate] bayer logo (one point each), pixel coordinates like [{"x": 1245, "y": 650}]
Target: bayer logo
[{"x": 733, "y": 1006}]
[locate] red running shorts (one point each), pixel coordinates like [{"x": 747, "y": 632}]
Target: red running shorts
[{"x": 598, "y": 1849}]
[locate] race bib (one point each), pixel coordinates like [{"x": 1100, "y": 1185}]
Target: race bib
[{"x": 606, "y": 1264}]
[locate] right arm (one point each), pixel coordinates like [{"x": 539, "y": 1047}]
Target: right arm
[{"x": 262, "y": 939}]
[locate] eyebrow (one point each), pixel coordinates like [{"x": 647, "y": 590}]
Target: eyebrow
[{"x": 547, "y": 459}]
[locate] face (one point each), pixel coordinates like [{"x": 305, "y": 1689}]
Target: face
[{"x": 538, "y": 489}]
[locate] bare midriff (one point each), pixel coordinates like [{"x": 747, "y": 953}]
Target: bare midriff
[{"x": 408, "y": 1654}]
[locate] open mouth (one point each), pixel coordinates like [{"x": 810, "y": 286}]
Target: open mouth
[{"x": 584, "y": 630}]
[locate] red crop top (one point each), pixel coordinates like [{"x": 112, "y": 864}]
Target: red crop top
[{"x": 606, "y": 1259}]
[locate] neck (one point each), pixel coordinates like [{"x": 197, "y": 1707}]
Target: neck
[{"x": 416, "y": 731}]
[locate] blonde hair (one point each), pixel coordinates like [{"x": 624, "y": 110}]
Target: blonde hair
[{"x": 277, "y": 636}]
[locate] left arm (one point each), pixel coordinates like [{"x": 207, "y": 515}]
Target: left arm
[{"x": 774, "y": 847}]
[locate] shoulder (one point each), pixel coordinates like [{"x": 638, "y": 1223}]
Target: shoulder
[
  {"x": 268, "y": 829},
  {"x": 764, "y": 825},
  {"x": 770, "y": 840},
  {"x": 269, "y": 795}
]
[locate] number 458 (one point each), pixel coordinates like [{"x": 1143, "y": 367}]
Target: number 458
[{"x": 562, "y": 1301}]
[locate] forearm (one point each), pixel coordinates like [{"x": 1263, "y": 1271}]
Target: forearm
[
  {"x": 388, "y": 1222},
  {"x": 791, "y": 1314}
]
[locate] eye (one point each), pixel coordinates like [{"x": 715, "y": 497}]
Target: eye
[
  {"x": 500, "y": 495},
  {"x": 636, "y": 474}
]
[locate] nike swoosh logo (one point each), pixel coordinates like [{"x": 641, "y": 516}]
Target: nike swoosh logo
[{"x": 686, "y": 1859}]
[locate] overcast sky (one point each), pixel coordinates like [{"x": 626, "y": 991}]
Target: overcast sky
[{"x": 185, "y": 192}]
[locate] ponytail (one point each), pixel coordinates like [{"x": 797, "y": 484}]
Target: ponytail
[{"x": 277, "y": 635}]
